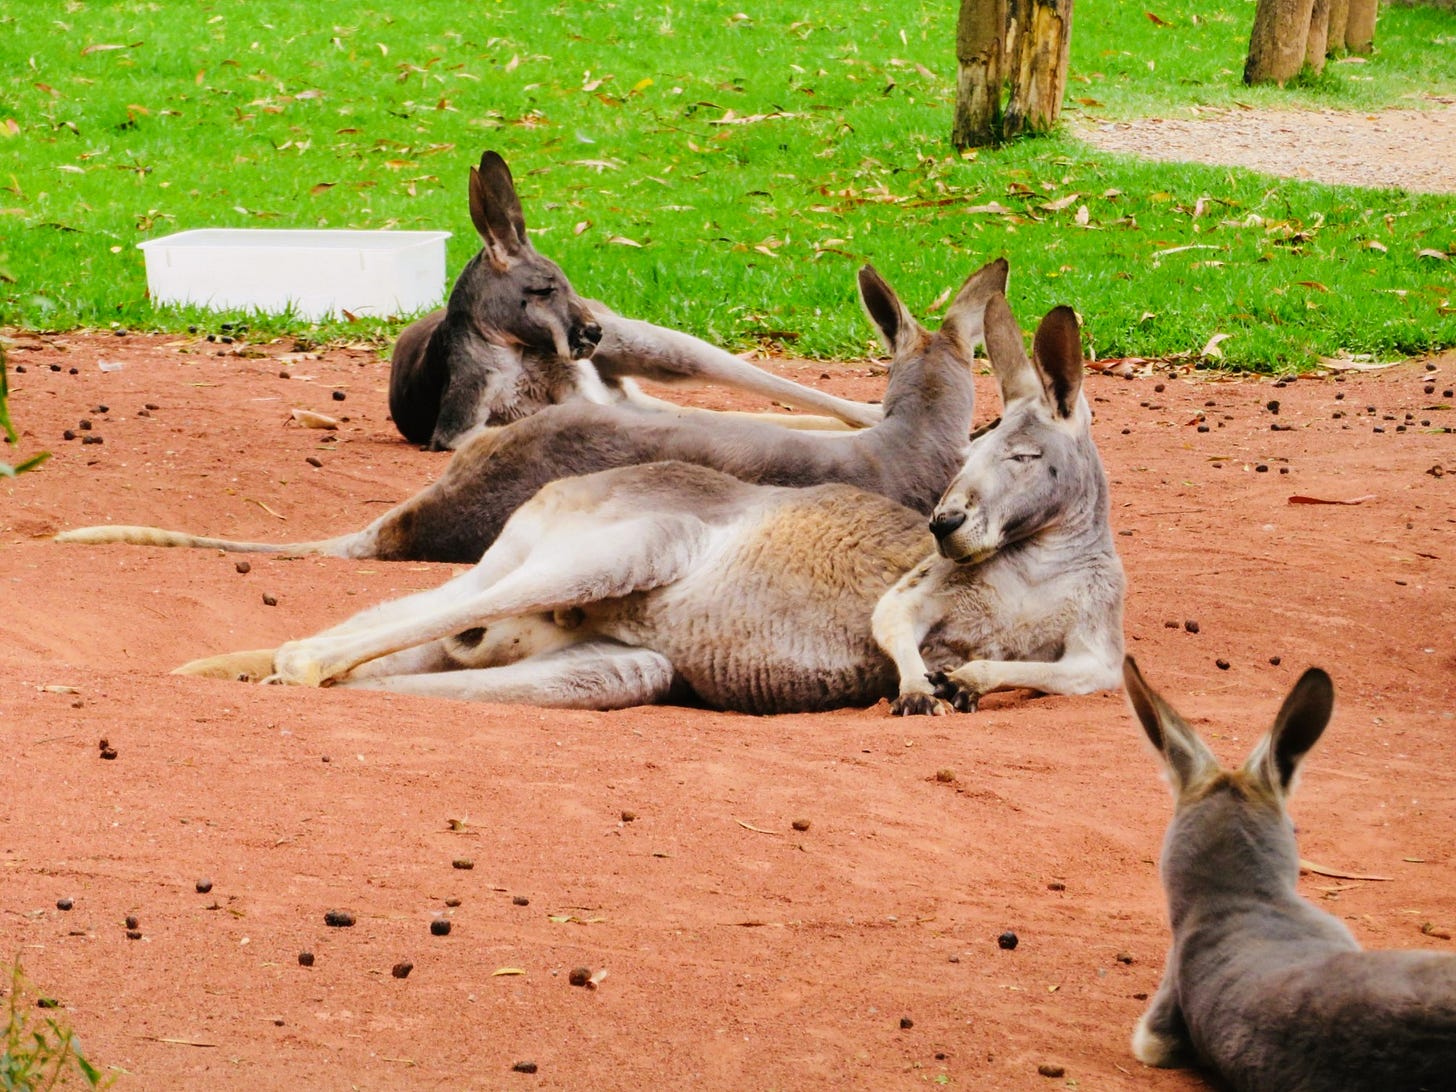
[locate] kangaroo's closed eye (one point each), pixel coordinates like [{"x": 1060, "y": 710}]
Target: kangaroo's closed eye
[
  {"x": 542, "y": 293},
  {"x": 1024, "y": 456}
]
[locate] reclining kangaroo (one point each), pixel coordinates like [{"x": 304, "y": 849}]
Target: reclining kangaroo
[
  {"x": 698, "y": 586},
  {"x": 1262, "y": 988},
  {"x": 909, "y": 456},
  {"x": 515, "y": 337}
]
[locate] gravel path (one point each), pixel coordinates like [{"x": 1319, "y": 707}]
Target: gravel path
[{"x": 1413, "y": 150}]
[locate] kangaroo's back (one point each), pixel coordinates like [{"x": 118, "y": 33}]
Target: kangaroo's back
[{"x": 1261, "y": 986}]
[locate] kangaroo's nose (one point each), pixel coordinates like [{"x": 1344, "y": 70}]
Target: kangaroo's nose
[{"x": 944, "y": 523}]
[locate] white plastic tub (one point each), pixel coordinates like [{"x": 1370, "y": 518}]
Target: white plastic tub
[{"x": 318, "y": 274}]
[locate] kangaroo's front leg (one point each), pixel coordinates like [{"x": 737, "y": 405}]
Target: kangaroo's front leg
[
  {"x": 1081, "y": 670},
  {"x": 900, "y": 622}
]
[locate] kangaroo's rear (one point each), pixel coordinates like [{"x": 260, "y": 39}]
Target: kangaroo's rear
[{"x": 1260, "y": 986}]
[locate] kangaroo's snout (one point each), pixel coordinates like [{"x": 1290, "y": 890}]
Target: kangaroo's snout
[{"x": 946, "y": 523}]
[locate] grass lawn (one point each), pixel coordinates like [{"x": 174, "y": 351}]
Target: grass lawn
[{"x": 715, "y": 168}]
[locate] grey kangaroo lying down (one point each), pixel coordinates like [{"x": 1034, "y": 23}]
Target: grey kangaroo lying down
[
  {"x": 1262, "y": 988},
  {"x": 909, "y": 456},
  {"x": 672, "y": 582},
  {"x": 515, "y": 337}
]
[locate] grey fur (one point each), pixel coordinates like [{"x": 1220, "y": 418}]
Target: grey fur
[
  {"x": 669, "y": 581},
  {"x": 908, "y": 456},
  {"x": 1261, "y": 987}
]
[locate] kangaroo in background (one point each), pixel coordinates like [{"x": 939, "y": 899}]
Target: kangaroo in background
[
  {"x": 909, "y": 455},
  {"x": 694, "y": 585},
  {"x": 1262, "y": 988},
  {"x": 514, "y": 337}
]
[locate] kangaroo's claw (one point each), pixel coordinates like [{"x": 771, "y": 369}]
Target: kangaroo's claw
[
  {"x": 948, "y": 690},
  {"x": 918, "y": 705}
]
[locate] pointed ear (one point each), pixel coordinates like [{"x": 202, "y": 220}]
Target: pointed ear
[
  {"x": 1187, "y": 757},
  {"x": 495, "y": 210},
  {"x": 1057, "y": 351},
  {"x": 965, "y": 318},
  {"x": 1300, "y": 723},
  {"x": 1007, "y": 351},
  {"x": 898, "y": 328}
]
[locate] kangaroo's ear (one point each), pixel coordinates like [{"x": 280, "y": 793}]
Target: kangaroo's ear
[
  {"x": 495, "y": 210},
  {"x": 898, "y": 328},
  {"x": 1015, "y": 376},
  {"x": 1300, "y": 723},
  {"x": 965, "y": 318},
  {"x": 1187, "y": 757},
  {"x": 1057, "y": 352}
]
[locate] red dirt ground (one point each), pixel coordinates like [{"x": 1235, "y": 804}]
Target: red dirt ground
[{"x": 861, "y": 952}]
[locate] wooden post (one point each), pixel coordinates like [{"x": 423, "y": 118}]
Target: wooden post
[
  {"x": 1278, "y": 42},
  {"x": 980, "y": 73},
  {"x": 1360, "y": 26},
  {"x": 1038, "y": 46},
  {"x": 1318, "y": 44}
]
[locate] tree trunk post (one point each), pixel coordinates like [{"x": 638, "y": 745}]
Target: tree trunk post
[
  {"x": 1039, "y": 42},
  {"x": 1360, "y": 26},
  {"x": 1339, "y": 17},
  {"x": 1317, "y": 46},
  {"x": 980, "y": 73},
  {"x": 1277, "y": 43}
]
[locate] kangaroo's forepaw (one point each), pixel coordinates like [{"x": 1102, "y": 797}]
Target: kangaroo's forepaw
[
  {"x": 917, "y": 704},
  {"x": 957, "y": 696},
  {"x": 293, "y": 666}
]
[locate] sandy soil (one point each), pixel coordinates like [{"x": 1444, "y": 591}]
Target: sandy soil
[
  {"x": 657, "y": 844},
  {"x": 1412, "y": 149}
]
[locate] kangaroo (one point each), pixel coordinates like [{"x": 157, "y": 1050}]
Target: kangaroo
[
  {"x": 909, "y": 456},
  {"x": 1261, "y": 987},
  {"x": 514, "y": 337},
  {"x": 700, "y": 587}
]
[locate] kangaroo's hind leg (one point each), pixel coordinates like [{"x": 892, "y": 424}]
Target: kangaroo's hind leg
[
  {"x": 596, "y": 674},
  {"x": 569, "y": 555}
]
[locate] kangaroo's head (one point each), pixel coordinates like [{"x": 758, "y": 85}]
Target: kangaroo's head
[
  {"x": 1037, "y": 468},
  {"x": 509, "y": 294},
  {"x": 1230, "y": 828},
  {"x": 931, "y": 368}
]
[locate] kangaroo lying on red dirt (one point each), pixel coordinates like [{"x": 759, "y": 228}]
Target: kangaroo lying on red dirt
[
  {"x": 909, "y": 456},
  {"x": 515, "y": 337},
  {"x": 671, "y": 582}
]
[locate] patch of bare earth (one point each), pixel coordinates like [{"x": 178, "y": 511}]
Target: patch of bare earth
[
  {"x": 1412, "y": 149},
  {"x": 659, "y": 844}
]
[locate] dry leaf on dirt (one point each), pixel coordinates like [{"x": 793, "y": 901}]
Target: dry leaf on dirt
[{"x": 1300, "y": 499}]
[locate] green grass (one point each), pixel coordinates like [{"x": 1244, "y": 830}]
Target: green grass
[
  {"x": 39, "y": 1053},
  {"x": 719, "y": 174}
]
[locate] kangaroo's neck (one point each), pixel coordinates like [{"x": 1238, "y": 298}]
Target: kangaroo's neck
[
  {"x": 1252, "y": 862},
  {"x": 931, "y": 395}
]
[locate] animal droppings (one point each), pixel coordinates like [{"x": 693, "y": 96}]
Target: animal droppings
[
  {"x": 906, "y": 1023},
  {"x": 1008, "y": 941},
  {"x": 1221, "y": 664},
  {"x": 305, "y": 959},
  {"x": 629, "y": 816},
  {"x": 452, "y": 902},
  {"x": 314, "y": 461},
  {"x": 64, "y": 904},
  {"x": 1274, "y": 661},
  {"x": 339, "y": 919},
  {"x": 800, "y": 825},
  {"x": 465, "y": 864},
  {"x": 520, "y": 900},
  {"x": 1191, "y": 626},
  {"x": 1048, "y": 1070},
  {"x": 1124, "y": 957},
  {"x": 131, "y": 922},
  {"x": 133, "y": 934},
  {"x": 204, "y": 886},
  {"x": 243, "y": 566},
  {"x": 402, "y": 970},
  {"x": 440, "y": 927},
  {"x": 339, "y": 396},
  {"x": 524, "y": 1067},
  {"x": 269, "y": 600},
  {"x": 579, "y": 976},
  {"x": 1056, "y": 885}
]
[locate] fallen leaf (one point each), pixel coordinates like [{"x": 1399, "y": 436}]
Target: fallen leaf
[
  {"x": 1374, "y": 244},
  {"x": 1300, "y": 499},
  {"x": 1427, "y": 252},
  {"x": 1430, "y": 930},
  {"x": 1313, "y": 284},
  {"x": 321, "y": 187},
  {"x": 1212, "y": 349},
  {"x": 1156, "y": 21},
  {"x": 309, "y": 419},
  {"x": 260, "y": 504},
  {"x": 1061, "y": 202},
  {"x": 1336, "y": 874},
  {"x": 757, "y": 830},
  {"x": 993, "y": 208},
  {"x": 622, "y": 240},
  {"x": 506, "y": 971}
]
